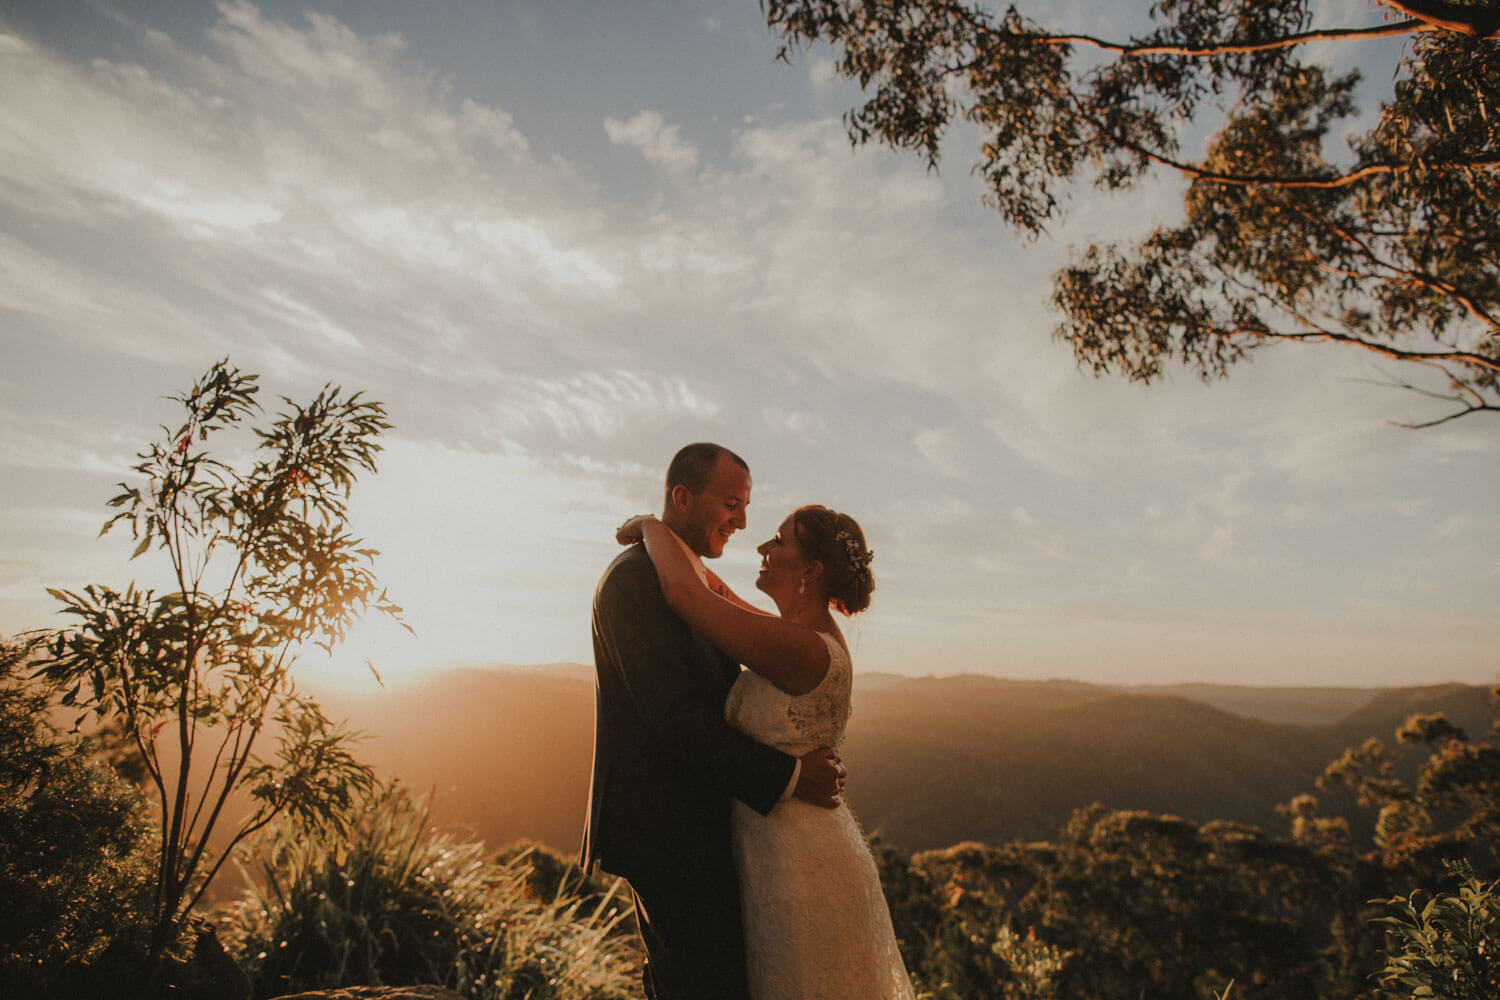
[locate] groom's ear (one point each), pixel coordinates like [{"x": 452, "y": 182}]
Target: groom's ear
[{"x": 681, "y": 498}]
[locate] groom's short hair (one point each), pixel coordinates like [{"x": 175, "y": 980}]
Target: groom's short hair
[{"x": 693, "y": 466}]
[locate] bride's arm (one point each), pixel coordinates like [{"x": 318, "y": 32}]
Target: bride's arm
[
  {"x": 718, "y": 586},
  {"x": 791, "y": 656}
]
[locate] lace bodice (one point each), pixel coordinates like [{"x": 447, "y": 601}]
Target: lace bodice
[{"x": 795, "y": 724}]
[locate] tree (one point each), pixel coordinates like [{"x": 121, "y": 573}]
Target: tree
[
  {"x": 262, "y": 564},
  {"x": 1450, "y": 812},
  {"x": 1432, "y": 820},
  {"x": 1389, "y": 248}
]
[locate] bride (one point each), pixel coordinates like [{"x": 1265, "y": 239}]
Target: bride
[{"x": 816, "y": 923}]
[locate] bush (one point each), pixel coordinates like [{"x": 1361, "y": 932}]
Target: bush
[
  {"x": 396, "y": 904},
  {"x": 1125, "y": 904},
  {"x": 77, "y": 855},
  {"x": 1447, "y": 949}
]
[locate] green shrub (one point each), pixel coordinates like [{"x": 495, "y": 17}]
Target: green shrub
[
  {"x": 1447, "y": 949},
  {"x": 395, "y": 904},
  {"x": 1125, "y": 904},
  {"x": 77, "y": 855}
]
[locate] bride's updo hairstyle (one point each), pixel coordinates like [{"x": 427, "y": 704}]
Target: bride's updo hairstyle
[{"x": 836, "y": 541}]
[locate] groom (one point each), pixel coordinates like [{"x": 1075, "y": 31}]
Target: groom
[{"x": 666, "y": 764}]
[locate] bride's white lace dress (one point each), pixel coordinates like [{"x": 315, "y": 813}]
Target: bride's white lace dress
[{"x": 816, "y": 924}]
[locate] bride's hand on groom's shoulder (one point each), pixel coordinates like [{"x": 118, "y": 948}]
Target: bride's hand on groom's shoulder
[{"x": 629, "y": 532}]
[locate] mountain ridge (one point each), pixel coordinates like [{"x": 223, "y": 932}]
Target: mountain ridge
[{"x": 933, "y": 760}]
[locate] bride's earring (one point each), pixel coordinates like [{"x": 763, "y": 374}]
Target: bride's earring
[{"x": 802, "y": 586}]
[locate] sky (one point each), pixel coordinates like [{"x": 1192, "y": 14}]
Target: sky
[{"x": 558, "y": 240}]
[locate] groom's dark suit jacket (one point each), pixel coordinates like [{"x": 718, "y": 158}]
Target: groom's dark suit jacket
[{"x": 665, "y": 762}]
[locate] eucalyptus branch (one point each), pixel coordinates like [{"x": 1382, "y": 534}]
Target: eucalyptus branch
[
  {"x": 153, "y": 767},
  {"x": 1430, "y": 282},
  {"x": 1476, "y": 20},
  {"x": 981, "y": 24},
  {"x": 1319, "y": 335},
  {"x": 172, "y": 841},
  {"x": 1280, "y": 180},
  {"x": 208, "y": 783},
  {"x": 231, "y": 781},
  {"x": 1469, "y": 399},
  {"x": 152, "y": 762},
  {"x": 1228, "y": 48},
  {"x": 1418, "y": 390},
  {"x": 218, "y": 863}
]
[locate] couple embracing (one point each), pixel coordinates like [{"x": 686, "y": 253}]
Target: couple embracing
[{"x": 715, "y": 789}]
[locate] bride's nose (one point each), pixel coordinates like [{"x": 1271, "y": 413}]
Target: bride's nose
[{"x": 764, "y": 547}]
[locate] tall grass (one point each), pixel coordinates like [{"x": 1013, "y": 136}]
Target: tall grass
[
  {"x": 397, "y": 904},
  {"x": 565, "y": 947}
]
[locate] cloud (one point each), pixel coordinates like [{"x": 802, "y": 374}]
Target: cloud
[
  {"x": 112, "y": 139},
  {"x": 596, "y": 406},
  {"x": 658, "y": 142},
  {"x": 851, "y": 292},
  {"x": 292, "y": 180},
  {"x": 33, "y": 444},
  {"x": 527, "y": 243},
  {"x": 329, "y": 185},
  {"x": 306, "y": 317}
]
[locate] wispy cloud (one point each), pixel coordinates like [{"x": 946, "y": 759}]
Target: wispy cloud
[
  {"x": 35, "y": 444},
  {"x": 593, "y": 407},
  {"x": 301, "y": 315},
  {"x": 314, "y": 162}
]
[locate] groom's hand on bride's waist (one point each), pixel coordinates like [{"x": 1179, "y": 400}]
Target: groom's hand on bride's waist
[{"x": 822, "y": 778}]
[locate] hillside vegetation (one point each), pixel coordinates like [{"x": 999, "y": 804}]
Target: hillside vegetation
[{"x": 1127, "y": 895}]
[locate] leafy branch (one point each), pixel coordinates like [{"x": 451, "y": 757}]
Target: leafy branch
[{"x": 1393, "y": 243}]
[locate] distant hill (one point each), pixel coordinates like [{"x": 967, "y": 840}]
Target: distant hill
[
  {"x": 934, "y": 760},
  {"x": 1465, "y": 706},
  {"x": 1302, "y": 706}
]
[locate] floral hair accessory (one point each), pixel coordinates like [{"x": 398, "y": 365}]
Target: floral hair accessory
[{"x": 859, "y": 556}]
